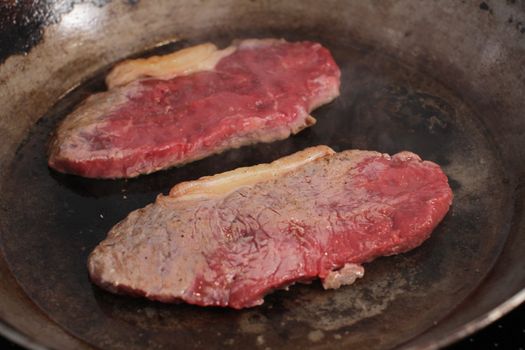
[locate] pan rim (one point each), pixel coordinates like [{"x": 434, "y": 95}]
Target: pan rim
[
  {"x": 502, "y": 307},
  {"x": 470, "y": 327},
  {"x": 18, "y": 337}
]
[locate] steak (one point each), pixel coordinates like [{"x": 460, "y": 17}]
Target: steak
[
  {"x": 229, "y": 239},
  {"x": 170, "y": 110}
]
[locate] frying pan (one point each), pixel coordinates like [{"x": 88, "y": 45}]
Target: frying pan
[{"x": 443, "y": 79}]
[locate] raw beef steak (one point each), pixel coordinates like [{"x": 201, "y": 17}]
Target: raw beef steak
[
  {"x": 229, "y": 239},
  {"x": 165, "y": 111}
]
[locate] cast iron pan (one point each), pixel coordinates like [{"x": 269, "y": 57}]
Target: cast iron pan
[{"x": 52, "y": 221}]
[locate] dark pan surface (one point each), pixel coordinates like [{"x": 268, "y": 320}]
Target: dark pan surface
[{"x": 384, "y": 105}]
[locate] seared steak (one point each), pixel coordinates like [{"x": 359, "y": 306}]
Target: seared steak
[
  {"x": 229, "y": 239},
  {"x": 194, "y": 103}
]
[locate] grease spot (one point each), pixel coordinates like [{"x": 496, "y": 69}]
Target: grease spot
[
  {"x": 252, "y": 323},
  {"x": 229, "y": 341},
  {"x": 352, "y": 306},
  {"x": 316, "y": 335},
  {"x": 260, "y": 340}
]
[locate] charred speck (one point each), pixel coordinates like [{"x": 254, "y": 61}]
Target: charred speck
[
  {"x": 455, "y": 185},
  {"x": 22, "y": 23},
  {"x": 520, "y": 27},
  {"x": 483, "y": 6},
  {"x": 21, "y": 26}
]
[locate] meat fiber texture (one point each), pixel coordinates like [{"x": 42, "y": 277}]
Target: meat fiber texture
[
  {"x": 165, "y": 111},
  {"x": 229, "y": 239}
]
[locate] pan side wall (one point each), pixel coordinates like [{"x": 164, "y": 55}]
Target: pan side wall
[{"x": 476, "y": 51}]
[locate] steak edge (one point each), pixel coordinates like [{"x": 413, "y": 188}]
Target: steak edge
[
  {"x": 169, "y": 110},
  {"x": 229, "y": 239}
]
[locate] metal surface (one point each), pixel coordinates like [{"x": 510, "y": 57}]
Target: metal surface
[{"x": 443, "y": 80}]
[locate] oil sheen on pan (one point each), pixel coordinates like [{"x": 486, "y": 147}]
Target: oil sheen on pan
[{"x": 385, "y": 105}]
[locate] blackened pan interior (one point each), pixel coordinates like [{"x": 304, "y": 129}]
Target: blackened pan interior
[{"x": 384, "y": 105}]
